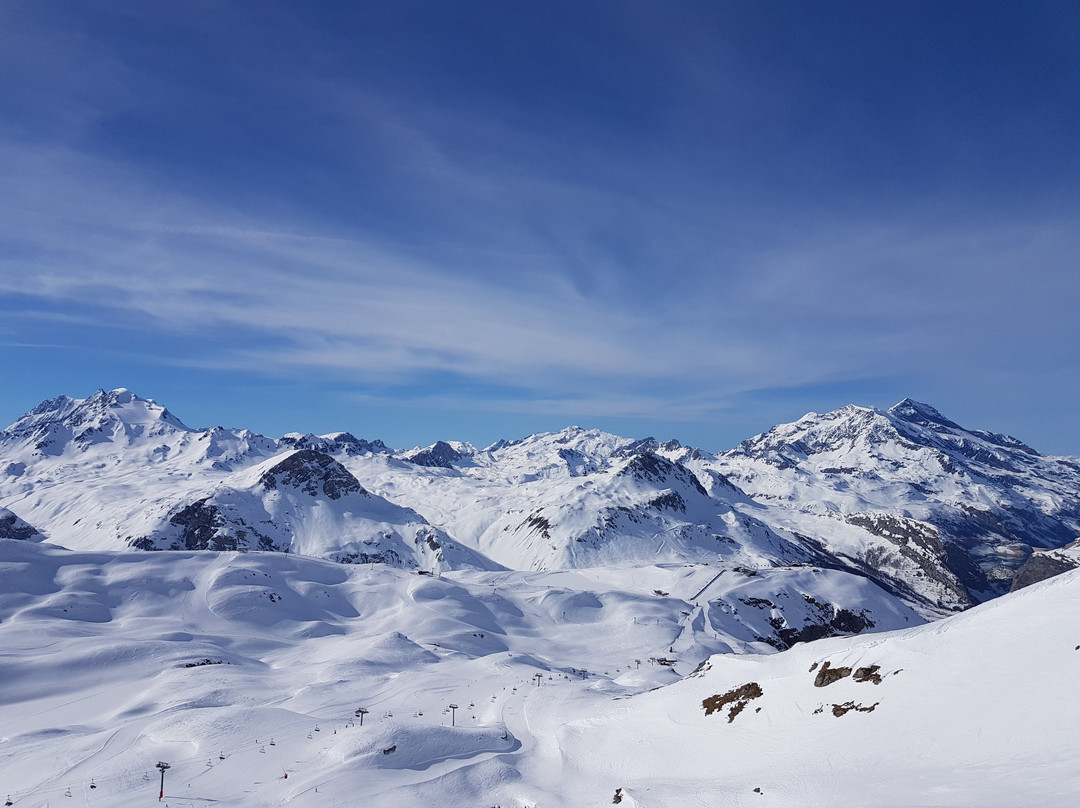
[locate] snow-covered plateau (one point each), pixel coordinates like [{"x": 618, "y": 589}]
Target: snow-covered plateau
[{"x": 820, "y": 616}]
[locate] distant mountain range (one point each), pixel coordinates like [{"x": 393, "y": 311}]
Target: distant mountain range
[{"x": 930, "y": 515}]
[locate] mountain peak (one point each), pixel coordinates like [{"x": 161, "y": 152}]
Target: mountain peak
[
  {"x": 647, "y": 466},
  {"x": 439, "y": 455},
  {"x": 922, "y": 414},
  {"x": 314, "y": 473},
  {"x": 105, "y": 415}
]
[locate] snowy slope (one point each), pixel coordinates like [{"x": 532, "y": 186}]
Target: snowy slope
[
  {"x": 975, "y": 710},
  {"x": 240, "y": 669}
]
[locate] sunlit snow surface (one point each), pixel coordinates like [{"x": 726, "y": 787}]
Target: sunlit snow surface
[
  {"x": 560, "y": 590},
  {"x": 237, "y": 669}
]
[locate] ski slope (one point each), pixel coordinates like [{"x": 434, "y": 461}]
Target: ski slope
[{"x": 239, "y": 669}]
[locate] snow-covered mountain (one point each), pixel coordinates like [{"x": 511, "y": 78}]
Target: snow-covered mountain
[
  {"x": 938, "y": 516},
  {"x": 118, "y": 427},
  {"x": 303, "y": 502},
  {"x": 577, "y": 498},
  {"x": 118, "y": 416},
  {"x": 117, "y": 470},
  {"x": 965, "y": 506}
]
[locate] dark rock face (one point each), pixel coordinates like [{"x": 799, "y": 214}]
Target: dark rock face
[
  {"x": 314, "y": 473},
  {"x": 1041, "y": 566},
  {"x": 441, "y": 455},
  {"x": 822, "y": 620},
  {"x": 670, "y": 501},
  {"x": 537, "y": 522},
  {"x": 12, "y": 527},
  {"x": 200, "y": 522},
  {"x": 204, "y": 527},
  {"x": 388, "y": 558},
  {"x": 828, "y": 674},
  {"x": 654, "y": 468},
  {"x": 841, "y": 622},
  {"x": 920, "y": 544}
]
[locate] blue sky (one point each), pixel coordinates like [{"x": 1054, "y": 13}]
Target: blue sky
[{"x": 425, "y": 220}]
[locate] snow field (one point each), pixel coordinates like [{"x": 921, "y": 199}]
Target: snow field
[{"x": 185, "y": 658}]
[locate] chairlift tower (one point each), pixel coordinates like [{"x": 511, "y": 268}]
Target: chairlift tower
[
  {"x": 453, "y": 708},
  {"x": 162, "y": 766}
]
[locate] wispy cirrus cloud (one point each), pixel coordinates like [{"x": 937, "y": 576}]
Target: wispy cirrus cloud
[{"x": 825, "y": 305}]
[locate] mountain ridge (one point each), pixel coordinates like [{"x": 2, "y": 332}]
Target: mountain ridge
[{"x": 937, "y": 514}]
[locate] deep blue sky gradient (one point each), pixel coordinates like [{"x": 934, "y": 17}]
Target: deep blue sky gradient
[{"x": 425, "y": 220}]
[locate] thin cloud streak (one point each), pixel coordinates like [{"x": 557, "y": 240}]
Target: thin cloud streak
[
  {"x": 834, "y": 304},
  {"x": 313, "y": 291}
]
